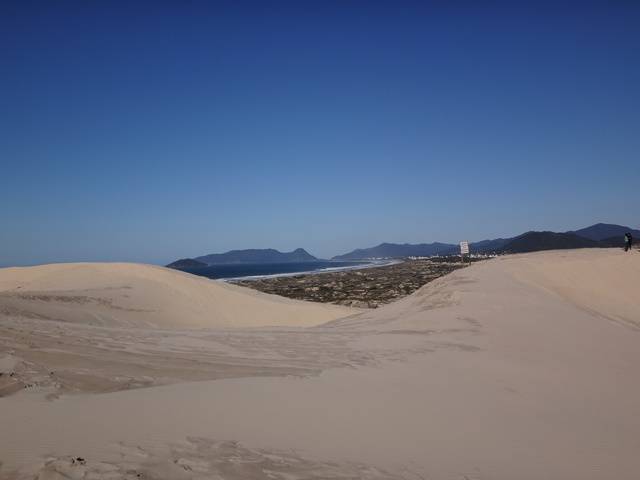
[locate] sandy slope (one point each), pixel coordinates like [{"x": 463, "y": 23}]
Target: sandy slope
[
  {"x": 124, "y": 294},
  {"x": 606, "y": 283},
  {"x": 522, "y": 367}
]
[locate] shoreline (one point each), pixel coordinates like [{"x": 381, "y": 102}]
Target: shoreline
[{"x": 372, "y": 264}]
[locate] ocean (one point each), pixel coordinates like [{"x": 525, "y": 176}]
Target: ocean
[{"x": 236, "y": 271}]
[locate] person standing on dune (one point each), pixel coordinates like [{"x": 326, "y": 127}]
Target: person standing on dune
[{"x": 628, "y": 241}]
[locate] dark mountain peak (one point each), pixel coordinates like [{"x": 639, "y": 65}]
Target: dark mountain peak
[
  {"x": 602, "y": 231},
  {"x": 186, "y": 263},
  {"x": 534, "y": 241},
  {"x": 256, "y": 255},
  {"x": 397, "y": 250},
  {"x": 489, "y": 246}
]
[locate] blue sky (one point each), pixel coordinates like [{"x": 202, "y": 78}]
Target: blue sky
[{"x": 148, "y": 131}]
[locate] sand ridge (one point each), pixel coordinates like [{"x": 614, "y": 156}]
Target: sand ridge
[
  {"x": 604, "y": 282},
  {"x": 130, "y": 295}
]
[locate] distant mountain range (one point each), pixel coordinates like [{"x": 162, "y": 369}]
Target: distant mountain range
[
  {"x": 251, "y": 256},
  {"x": 605, "y": 231},
  {"x": 395, "y": 250},
  {"x": 536, "y": 241},
  {"x": 598, "y": 235}
]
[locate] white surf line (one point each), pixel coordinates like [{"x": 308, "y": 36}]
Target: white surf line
[{"x": 313, "y": 272}]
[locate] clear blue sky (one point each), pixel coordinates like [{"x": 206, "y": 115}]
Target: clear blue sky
[{"x": 148, "y": 131}]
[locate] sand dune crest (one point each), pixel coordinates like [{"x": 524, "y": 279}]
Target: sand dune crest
[{"x": 134, "y": 295}]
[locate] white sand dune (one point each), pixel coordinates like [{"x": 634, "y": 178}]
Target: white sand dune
[
  {"x": 124, "y": 294},
  {"x": 606, "y": 283},
  {"x": 523, "y": 367}
]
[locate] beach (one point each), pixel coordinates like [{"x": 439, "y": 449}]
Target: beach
[{"x": 524, "y": 366}]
